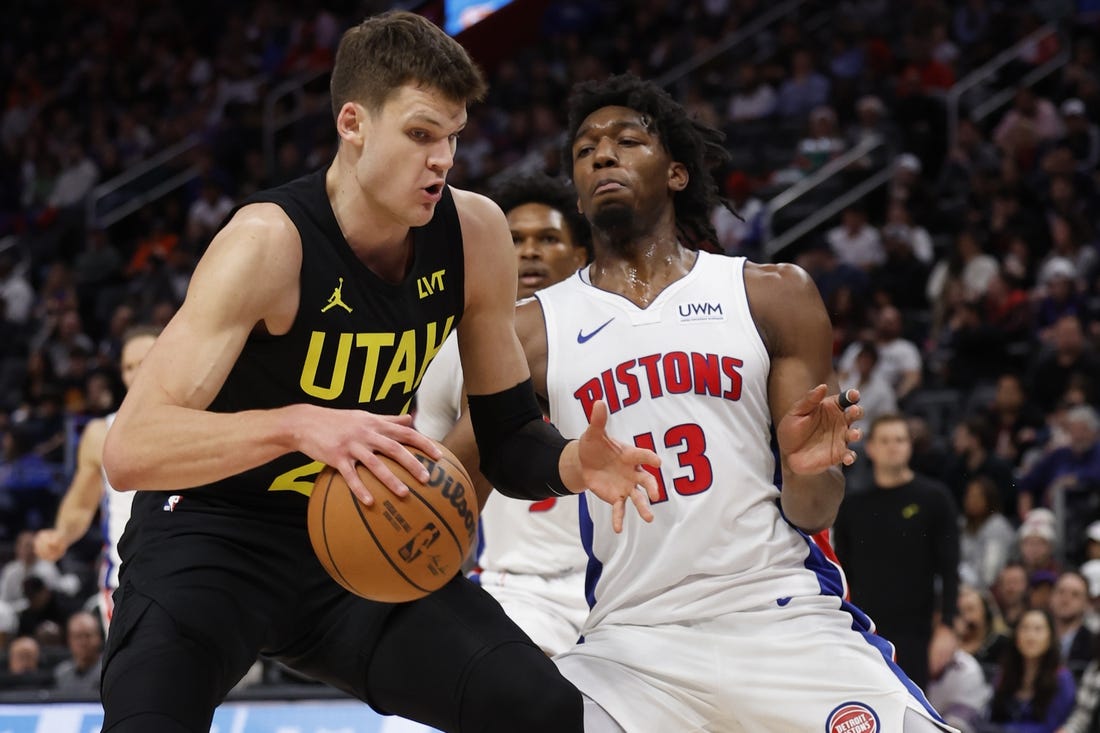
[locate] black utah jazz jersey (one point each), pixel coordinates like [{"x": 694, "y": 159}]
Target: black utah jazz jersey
[{"x": 358, "y": 341}]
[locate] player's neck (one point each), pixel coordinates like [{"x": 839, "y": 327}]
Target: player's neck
[
  {"x": 369, "y": 230},
  {"x": 891, "y": 478},
  {"x": 641, "y": 268}
]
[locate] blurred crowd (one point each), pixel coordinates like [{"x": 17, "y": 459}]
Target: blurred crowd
[{"x": 964, "y": 291}]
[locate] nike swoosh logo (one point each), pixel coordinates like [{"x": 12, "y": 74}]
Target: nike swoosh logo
[{"x": 583, "y": 337}]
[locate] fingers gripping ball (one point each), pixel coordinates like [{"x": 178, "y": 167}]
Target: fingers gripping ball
[{"x": 399, "y": 549}]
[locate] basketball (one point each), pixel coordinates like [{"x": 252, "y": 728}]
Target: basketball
[{"x": 399, "y": 549}]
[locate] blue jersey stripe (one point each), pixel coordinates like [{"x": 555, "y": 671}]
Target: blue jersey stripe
[{"x": 595, "y": 567}]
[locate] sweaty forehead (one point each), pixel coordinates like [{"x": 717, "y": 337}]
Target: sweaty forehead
[{"x": 612, "y": 119}]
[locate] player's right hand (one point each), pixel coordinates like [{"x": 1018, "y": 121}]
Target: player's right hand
[
  {"x": 344, "y": 438},
  {"x": 49, "y": 545},
  {"x": 614, "y": 471}
]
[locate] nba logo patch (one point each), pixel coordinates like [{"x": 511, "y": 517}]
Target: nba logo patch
[
  {"x": 852, "y": 717},
  {"x": 170, "y": 505}
]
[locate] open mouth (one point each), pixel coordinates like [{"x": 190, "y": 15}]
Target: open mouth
[{"x": 434, "y": 189}]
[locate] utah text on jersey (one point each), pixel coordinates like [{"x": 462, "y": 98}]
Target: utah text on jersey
[{"x": 385, "y": 361}]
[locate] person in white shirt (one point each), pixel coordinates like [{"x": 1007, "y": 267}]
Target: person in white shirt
[
  {"x": 899, "y": 360},
  {"x": 856, "y": 242},
  {"x": 90, "y": 491},
  {"x": 529, "y": 555}
]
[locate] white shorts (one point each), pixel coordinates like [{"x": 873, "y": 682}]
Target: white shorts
[
  {"x": 795, "y": 668},
  {"x": 549, "y": 610}
]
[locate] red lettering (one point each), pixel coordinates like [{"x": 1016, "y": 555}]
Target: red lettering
[
  {"x": 610, "y": 391},
  {"x": 650, "y": 364},
  {"x": 677, "y": 370},
  {"x": 729, "y": 368},
  {"x": 588, "y": 394},
  {"x": 706, "y": 374},
  {"x": 630, "y": 381}
]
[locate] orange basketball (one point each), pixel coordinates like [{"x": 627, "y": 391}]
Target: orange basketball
[{"x": 399, "y": 549}]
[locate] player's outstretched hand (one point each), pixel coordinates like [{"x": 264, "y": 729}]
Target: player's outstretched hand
[
  {"x": 344, "y": 438},
  {"x": 815, "y": 433},
  {"x": 615, "y": 471}
]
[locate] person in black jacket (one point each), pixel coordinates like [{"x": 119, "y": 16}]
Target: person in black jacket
[{"x": 895, "y": 543}]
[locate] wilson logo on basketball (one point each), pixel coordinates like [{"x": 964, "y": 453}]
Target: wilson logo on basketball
[
  {"x": 852, "y": 717},
  {"x": 452, "y": 490}
]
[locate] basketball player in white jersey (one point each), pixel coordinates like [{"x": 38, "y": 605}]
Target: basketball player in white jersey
[
  {"x": 529, "y": 556},
  {"x": 721, "y": 615},
  {"x": 90, "y": 490}
]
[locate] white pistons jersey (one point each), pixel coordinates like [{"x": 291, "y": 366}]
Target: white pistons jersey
[
  {"x": 531, "y": 538},
  {"x": 114, "y": 512},
  {"x": 686, "y": 377}
]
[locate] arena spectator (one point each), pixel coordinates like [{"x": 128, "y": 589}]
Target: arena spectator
[
  {"x": 972, "y": 456},
  {"x": 1067, "y": 356},
  {"x": 1037, "y": 540},
  {"x": 856, "y": 242},
  {"x": 79, "y": 674},
  {"x": 912, "y": 520},
  {"x": 24, "y": 670},
  {"x": 1016, "y": 421},
  {"x": 900, "y": 363},
  {"x": 960, "y": 692},
  {"x": 986, "y": 537},
  {"x": 1082, "y": 135},
  {"x": 22, "y": 566},
  {"x": 979, "y": 626},
  {"x": 1072, "y": 470},
  {"x": 1033, "y": 689},
  {"x": 1069, "y": 603},
  {"x": 1010, "y": 592}
]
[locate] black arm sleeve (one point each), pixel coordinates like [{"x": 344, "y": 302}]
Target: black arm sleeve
[{"x": 519, "y": 450}]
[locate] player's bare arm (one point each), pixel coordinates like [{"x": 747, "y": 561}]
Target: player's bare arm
[
  {"x": 812, "y": 429},
  {"x": 493, "y": 361},
  {"x": 165, "y": 439},
  {"x": 78, "y": 507}
]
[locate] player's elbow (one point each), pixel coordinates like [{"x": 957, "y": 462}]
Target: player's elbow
[{"x": 118, "y": 463}]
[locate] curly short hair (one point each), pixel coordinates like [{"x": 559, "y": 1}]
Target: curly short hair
[
  {"x": 699, "y": 147},
  {"x": 540, "y": 188}
]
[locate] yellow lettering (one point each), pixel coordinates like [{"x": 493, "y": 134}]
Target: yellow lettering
[
  {"x": 432, "y": 347},
  {"x": 403, "y": 366},
  {"x": 373, "y": 343},
  {"x": 298, "y": 479},
  {"x": 308, "y": 381}
]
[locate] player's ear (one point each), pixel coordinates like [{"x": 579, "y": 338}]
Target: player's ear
[
  {"x": 677, "y": 176},
  {"x": 350, "y": 122}
]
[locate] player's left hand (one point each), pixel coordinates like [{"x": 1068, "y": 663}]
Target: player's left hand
[
  {"x": 615, "y": 471},
  {"x": 814, "y": 434}
]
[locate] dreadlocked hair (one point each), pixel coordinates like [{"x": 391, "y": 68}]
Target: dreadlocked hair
[
  {"x": 540, "y": 188},
  {"x": 697, "y": 146}
]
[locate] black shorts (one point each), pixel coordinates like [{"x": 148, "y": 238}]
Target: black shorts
[{"x": 200, "y": 600}]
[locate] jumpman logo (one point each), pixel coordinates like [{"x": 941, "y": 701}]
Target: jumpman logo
[{"x": 335, "y": 298}]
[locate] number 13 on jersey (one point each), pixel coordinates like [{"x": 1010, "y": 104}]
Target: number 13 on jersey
[{"x": 690, "y": 444}]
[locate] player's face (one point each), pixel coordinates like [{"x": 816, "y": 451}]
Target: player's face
[
  {"x": 545, "y": 250},
  {"x": 406, "y": 149},
  {"x": 621, "y": 168},
  {"x": 133, "y": 353}
]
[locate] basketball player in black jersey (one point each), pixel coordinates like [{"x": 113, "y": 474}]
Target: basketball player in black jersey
[{"x": 307, "y": 327}]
